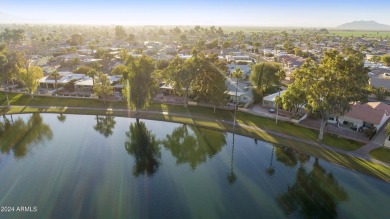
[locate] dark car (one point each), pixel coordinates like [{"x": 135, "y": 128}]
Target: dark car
[{"x": 271, "y": 110}]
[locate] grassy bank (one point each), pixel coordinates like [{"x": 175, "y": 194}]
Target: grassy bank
[
  {"x": 382, "y": 154},
  {"x": 205, "y": 117}
]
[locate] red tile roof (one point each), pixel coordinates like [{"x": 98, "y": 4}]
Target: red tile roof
[{"x": 371, "y": 112}]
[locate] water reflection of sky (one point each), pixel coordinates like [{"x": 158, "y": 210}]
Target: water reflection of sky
[{"x": 175, "y": 171}]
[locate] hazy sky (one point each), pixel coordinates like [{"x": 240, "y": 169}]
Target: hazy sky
[{"x": 305, "y": 13}]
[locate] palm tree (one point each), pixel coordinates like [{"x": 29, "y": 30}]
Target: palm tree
[
  {"x": 55, "y": 74},
  {"x": 236, "y": 74}
]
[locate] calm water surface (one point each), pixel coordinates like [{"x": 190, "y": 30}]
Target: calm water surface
[{"x": 73, "y": 166}]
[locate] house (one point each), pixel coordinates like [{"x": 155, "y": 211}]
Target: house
[
  {"x": 371, "y": 114},
  {"x": 86, "y": 83},
  {"x": 239, "y": 58},
  {"x": 49, "y": 81},
  {"x": 292, "y": 61},
  {"x": 269, "y": 101},
  {"x": 241, "y": 97}
]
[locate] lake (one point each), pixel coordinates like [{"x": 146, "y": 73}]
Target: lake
[{"x": 77, "y": 166}]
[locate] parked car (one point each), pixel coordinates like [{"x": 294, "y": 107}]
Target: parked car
[{"x": 271, "y": 110}]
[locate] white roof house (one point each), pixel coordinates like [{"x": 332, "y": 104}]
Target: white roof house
[
  {"x": 241, "y": 97},
  {"x": 269, "y": 101},
  {"x": 86, "y": 83},
  {"x": 238, "y": 58},
  {"x": 64, "y": 78}
]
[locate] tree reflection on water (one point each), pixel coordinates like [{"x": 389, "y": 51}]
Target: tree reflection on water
[
  {"x": 290, "y": 157},
  {"x": 105, "y": 125},
  {"x": 232, "y": 176},
  {"x": 314, "y": 194},
  {"x": 17, "y": 136},
  {"x": 194, "y": 148},
  {"x": 144, "y": 147}
]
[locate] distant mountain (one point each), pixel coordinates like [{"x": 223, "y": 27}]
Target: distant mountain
[
  {"x": 8, "y": 19},
  {"x": 364, "y": 25}
]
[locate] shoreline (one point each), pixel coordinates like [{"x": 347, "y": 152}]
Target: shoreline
[{"x": 348, "y": 159}]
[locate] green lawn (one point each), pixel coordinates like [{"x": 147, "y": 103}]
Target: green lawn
[{"x": 382, "y": 154}]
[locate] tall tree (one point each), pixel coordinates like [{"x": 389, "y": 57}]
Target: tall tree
[
  {"x": 141, "y": 82},
  {"x": 294, "y": 99},
  {"x": 209, "y": 83},
  {"x": 237, "y": 74},
  {"x": 103, "y": 86},
  {"x": 333, "y": 85},
  {"x": 181, "y": 74},
  {"x": 29, "y": 77},
  {"x": 265, "y": 75},
  {"x": 15, "y": 61}
]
